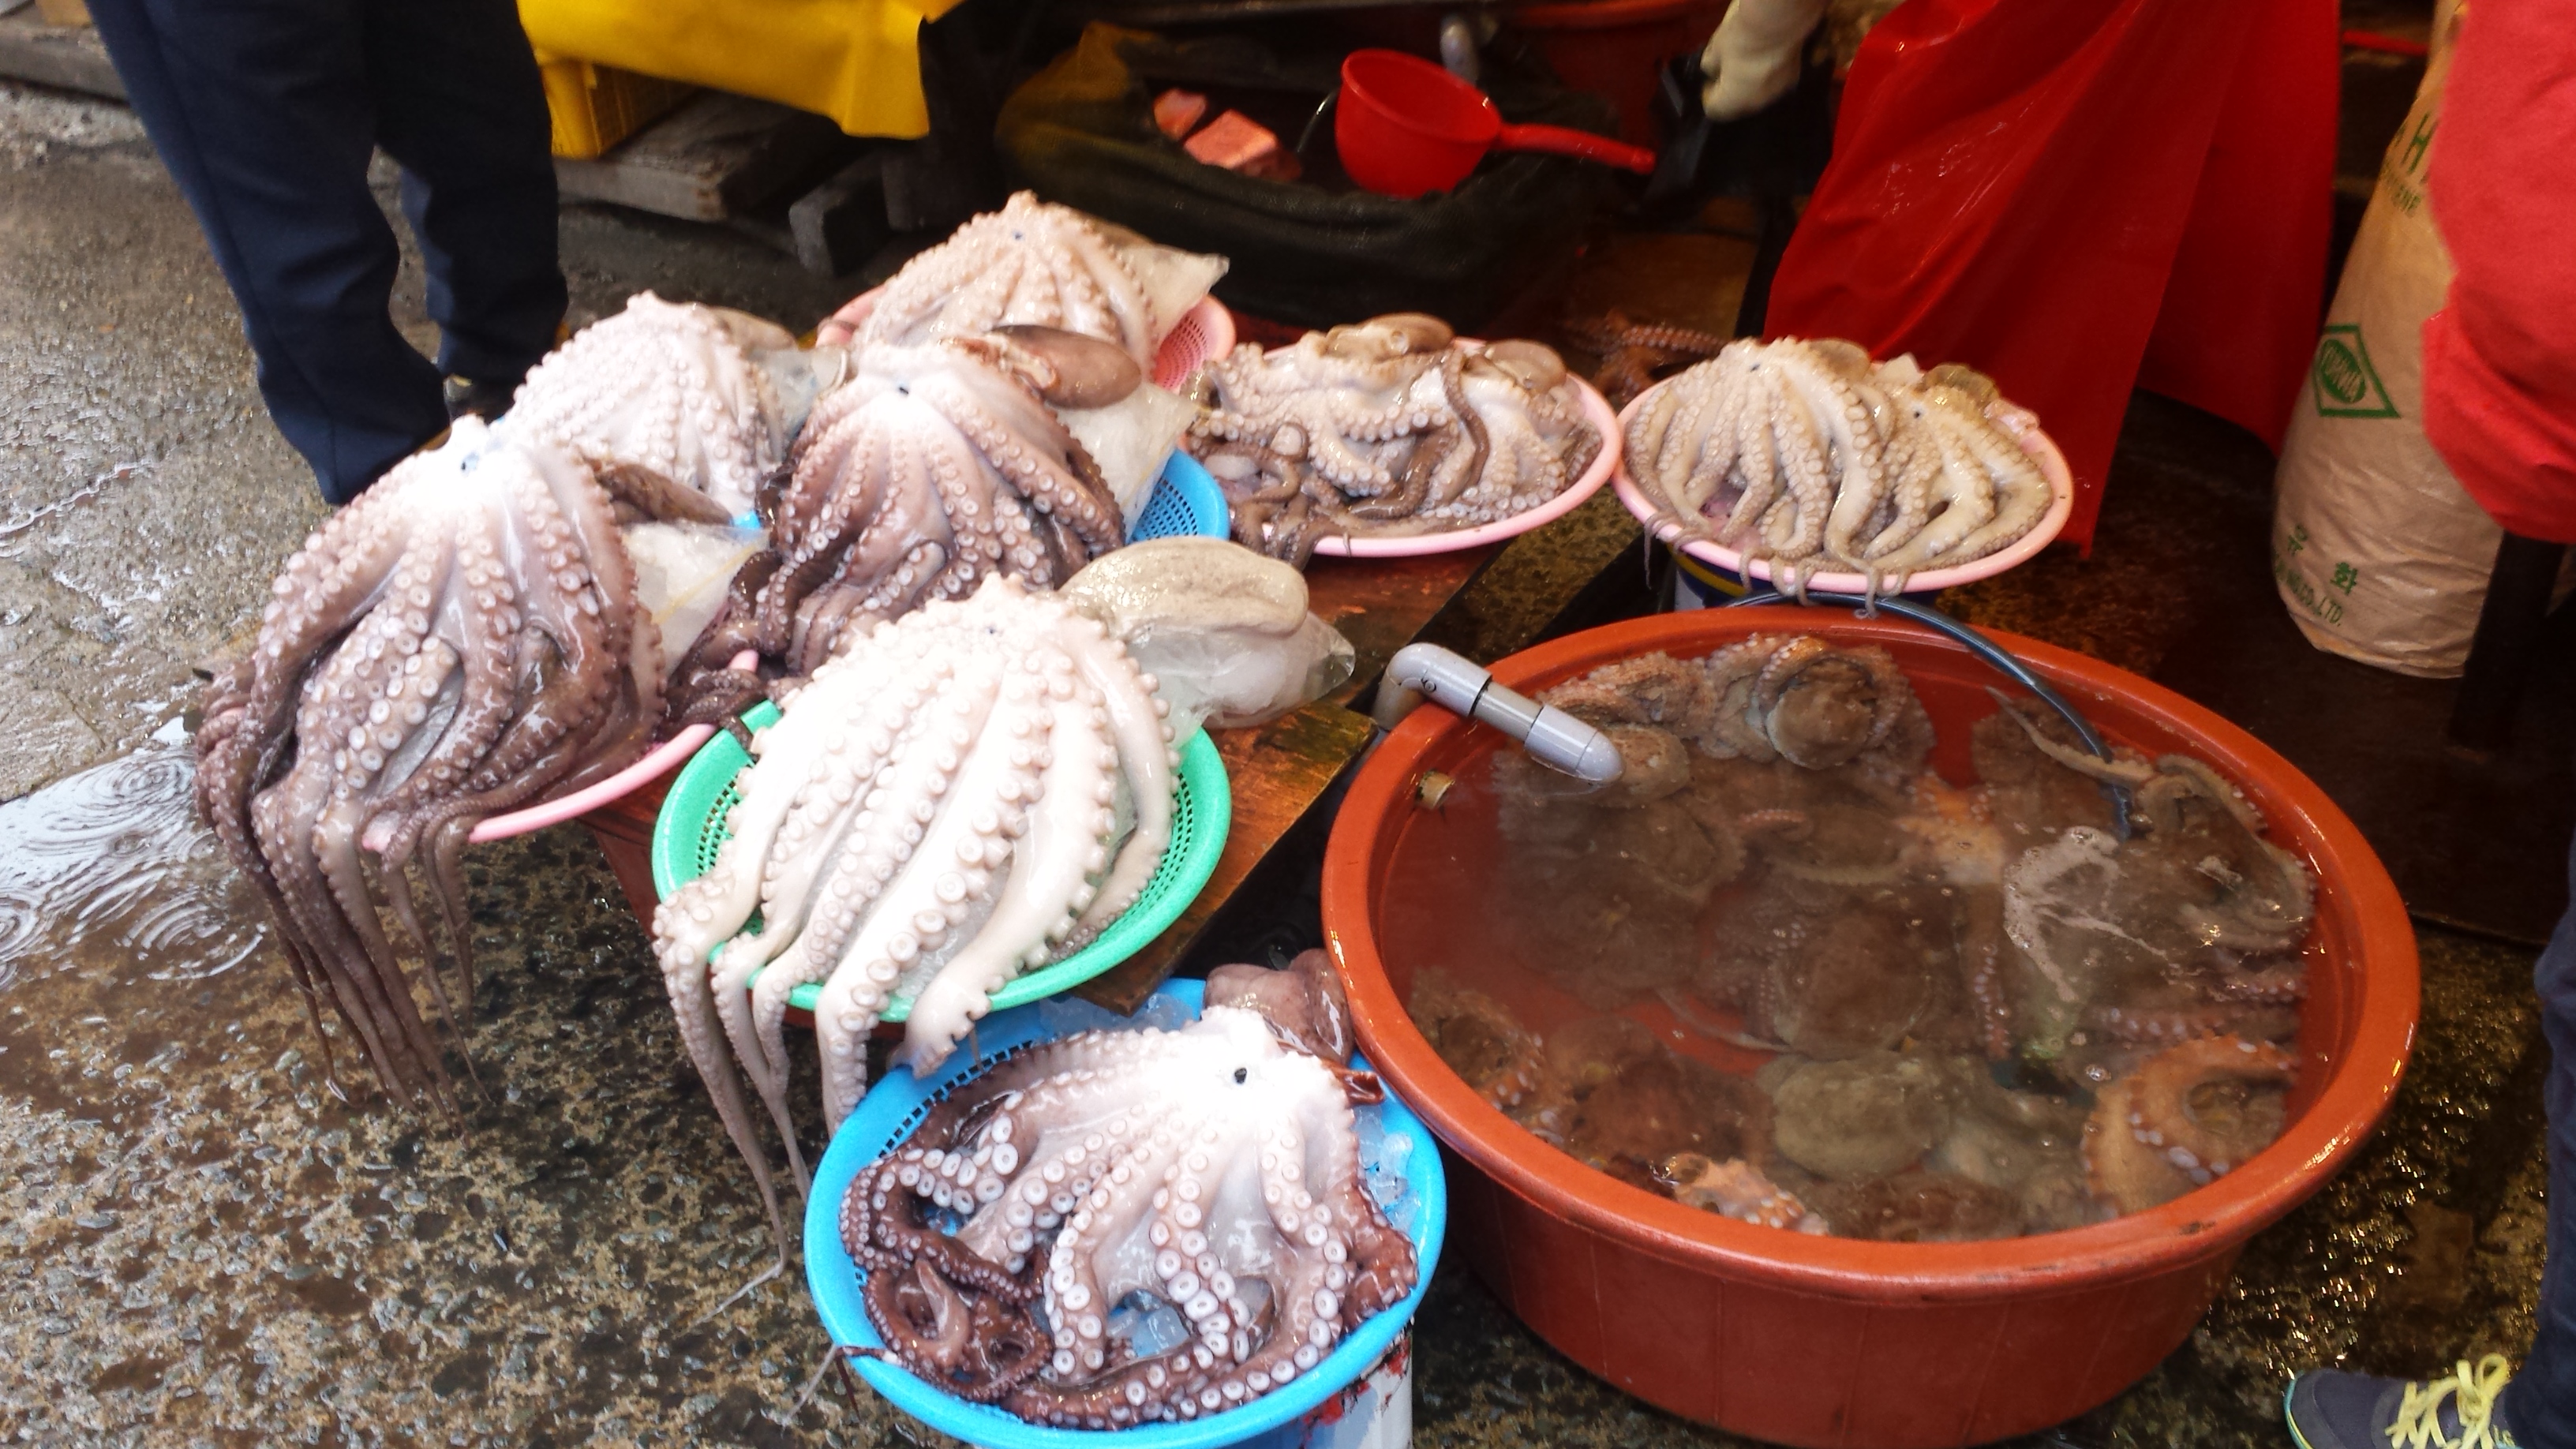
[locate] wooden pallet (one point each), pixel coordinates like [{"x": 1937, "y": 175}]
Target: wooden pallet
[{"x": 69, "y": 58}]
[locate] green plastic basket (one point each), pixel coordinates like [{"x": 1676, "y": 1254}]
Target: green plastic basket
[{"x": 691, "y": 828}]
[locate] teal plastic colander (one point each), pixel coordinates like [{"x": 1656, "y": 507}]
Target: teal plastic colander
[{"x": 691, "y": 828}]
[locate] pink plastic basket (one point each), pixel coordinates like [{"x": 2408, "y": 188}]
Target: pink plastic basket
[
  {"x": 662, "y": 760},
  {"x": 1596, "y": 411},
  {"x": 2020, "y": 422},
  {"x": 1205, "y": 333}
]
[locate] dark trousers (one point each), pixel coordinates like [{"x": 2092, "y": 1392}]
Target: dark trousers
[
  {"x": 267, "y": 111},
  {"x": 2541, "y": 1405}
]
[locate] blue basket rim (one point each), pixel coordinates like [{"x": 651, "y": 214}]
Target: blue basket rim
[
  {"x": 1197, "y": 489},
  {"x": 833, "y": 1279}
]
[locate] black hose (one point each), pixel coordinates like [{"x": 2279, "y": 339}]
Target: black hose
[{"x": 2003, "y": 660}]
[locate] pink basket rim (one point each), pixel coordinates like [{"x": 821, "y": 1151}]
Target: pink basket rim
[{"x": 662, "y": 760}]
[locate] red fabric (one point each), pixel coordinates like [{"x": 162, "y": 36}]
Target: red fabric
[
  {"x": 2500, "y": 357},
  {"x": 2040, "y": 188}
]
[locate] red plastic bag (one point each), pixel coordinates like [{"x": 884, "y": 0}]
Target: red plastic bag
[{"x": 2079, "y": 196}]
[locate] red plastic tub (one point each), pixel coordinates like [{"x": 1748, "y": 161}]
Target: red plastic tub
[
  {"x": 1830, "y": 1341},
  {"x": 1617, "y": 48}
]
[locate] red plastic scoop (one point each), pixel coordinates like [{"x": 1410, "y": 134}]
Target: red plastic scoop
[{"x": 1405, "y": 126}]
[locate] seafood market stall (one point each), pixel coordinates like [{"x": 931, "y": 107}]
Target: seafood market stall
[{"x": 937, "y": 685}]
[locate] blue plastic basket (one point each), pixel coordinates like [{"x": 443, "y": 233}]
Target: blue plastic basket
[
  {"x": 1186, "y": 503},
  {"x": 897, "y": 1104}
]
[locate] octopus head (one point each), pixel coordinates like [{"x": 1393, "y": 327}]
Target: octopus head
[
  {"x": 1304, "y": 1003},
  {"x": 1069, "y": 369},
  {"x": 1533, "y": 365},
  {"x": 1383, "y": 339},
  {"x": 1823, "y": 706}
]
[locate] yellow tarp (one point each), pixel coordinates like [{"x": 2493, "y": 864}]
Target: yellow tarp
[{"x": 856, "y": 61}]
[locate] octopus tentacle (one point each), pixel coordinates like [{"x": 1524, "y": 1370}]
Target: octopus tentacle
[{"x": 912, "y": 918}]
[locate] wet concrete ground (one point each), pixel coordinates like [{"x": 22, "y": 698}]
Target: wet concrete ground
[{"x": 200, "y": 1243}]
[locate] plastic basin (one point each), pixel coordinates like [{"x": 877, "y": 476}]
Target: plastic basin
[
  {"x": 893, "y": 1107},
  {"x": 1830, "y": 1341}
]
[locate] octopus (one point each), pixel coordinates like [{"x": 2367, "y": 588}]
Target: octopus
[
  {"x": 929, "y": 470},
  {"x": 936, "y": 809},
  {"x": 1386, "y": 428},
  {"x": 462, "y": 640},
  {"x": 1737, "y": 1189},
  {"x": 1034, "y": 262},
  {"x": 671, "y": 395},
  {"x": 1636, "y": 355},
  {"x": 1150, "y": 1225},
  {"x": 1917, "y": 1206},
  {"x": 1479, "y": 1039},
  {"x": 1202, "y": 609},
  {"x": 2196, "y": 910},
  {"x": 1949, "y": 979},
  {"x": 1803, "y": 453},
  {"x": 2186, "y": 1117},
  {"x": 1869, "y": 1116}
]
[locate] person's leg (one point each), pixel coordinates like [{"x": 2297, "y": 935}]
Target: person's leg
[
  {"x": 260, "y": 110},
  {"x": 460, "y": 105},
  {"x": 2331, "y": 1409},
  {"x": 2541, "y": 1405}
]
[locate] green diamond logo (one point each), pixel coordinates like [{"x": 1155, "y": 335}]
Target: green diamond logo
[{"x": 2342, "y": 380}]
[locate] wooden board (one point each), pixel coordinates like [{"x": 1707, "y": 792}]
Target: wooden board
[
  {"x": 1278, "y": 771},
  {"x": 72, "y": 59},
  {"x": 712, "y": 159}
]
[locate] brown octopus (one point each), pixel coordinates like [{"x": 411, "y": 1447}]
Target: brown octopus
[
  {"x": 929, "y": 469},
  {"x": 462, "y": 640}
]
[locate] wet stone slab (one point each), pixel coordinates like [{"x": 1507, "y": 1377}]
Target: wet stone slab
[{"x": 204, "y": 1244}]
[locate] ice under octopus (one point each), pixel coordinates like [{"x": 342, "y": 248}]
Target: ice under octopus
[
  {"x": 1149, "y": 1225},
  {"x": 1387, "y": 427},
  {"x": 1803, "y": 453},
  {"x": 462, "y": 640},
  {"x": 935, "y": 810}
]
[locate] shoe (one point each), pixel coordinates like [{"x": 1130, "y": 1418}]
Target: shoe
[
  {"x": 2331, "y": 1410},
  {"x": 485, "y": 400}
]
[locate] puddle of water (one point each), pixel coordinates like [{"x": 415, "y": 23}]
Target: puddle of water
[{"x": 109, "y": 871}]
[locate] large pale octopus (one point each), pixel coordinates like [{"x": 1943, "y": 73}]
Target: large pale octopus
[
  {"x": 934, "y": 811},
  {"x": 1387, "y": 427},
  {"x": 1035, "y": 262},
  {"x": 672, "y": 394},
  {"x": 460, "y": 641},
  {"x": 1803, "y": 453},
  {"x": 1156, "y": 1225}
]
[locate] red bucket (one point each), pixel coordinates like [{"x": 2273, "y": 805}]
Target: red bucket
[{"x": 1832, "y": 1341}]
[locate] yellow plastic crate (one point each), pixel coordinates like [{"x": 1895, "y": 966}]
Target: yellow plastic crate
[{"x": 594, "y": 106}]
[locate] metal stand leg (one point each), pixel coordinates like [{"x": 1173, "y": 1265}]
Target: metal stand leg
[{"x": 2509, "y": 630}]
